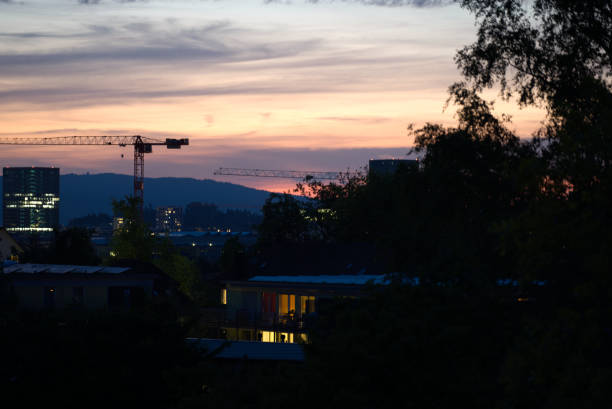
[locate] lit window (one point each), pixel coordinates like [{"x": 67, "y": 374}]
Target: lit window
[
  {"x": 224, "y": 296},
  {"x": 307, "y": 304},
  {"x": 287, "y": 304},
  {"x": 286, "y": 337},
  {"x": 267, "y": 336}
]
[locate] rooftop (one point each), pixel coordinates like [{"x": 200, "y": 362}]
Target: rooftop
[
  {"x": 61, "y": 269},
  {"x": 360, "y": 279}
]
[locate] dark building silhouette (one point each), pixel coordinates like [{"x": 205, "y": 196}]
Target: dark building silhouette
[
  {"x": 31, "y": 197},
  {"x": 381, "y": 167}
]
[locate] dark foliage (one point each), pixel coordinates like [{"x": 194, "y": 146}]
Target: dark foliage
[
  {"x": 207, "y": 216},
  {"x": 483, "y": 208},
  {"x": 100, "y": 220},
  {"x": 69, "y": 246},
  {"x": 95, "y": 361}
]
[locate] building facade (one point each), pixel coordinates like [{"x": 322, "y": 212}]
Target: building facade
[
  {"x": 169, "y": 218},
  {"x": 30, "y": 201},
  {"x": 277, "y": 308}
]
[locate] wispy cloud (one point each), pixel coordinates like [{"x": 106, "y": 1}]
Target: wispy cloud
[
  {"x": 380, "y": 3},
  {"x": 369, "y": 120}
]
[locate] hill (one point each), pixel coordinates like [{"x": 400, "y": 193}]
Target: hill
[{"x": 84, "y": 194}]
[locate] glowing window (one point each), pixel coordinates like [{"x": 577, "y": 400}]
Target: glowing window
[
  {"x": 286, "y": 303},
  {"x": 267, "y": 336},
  {"x": 224, "y": 296},
  {"x": 307, "y": 304},
  {"x": 286, "y": 337}
]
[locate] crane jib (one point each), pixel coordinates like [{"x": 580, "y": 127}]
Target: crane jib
[{"x": 141, "y": 145}]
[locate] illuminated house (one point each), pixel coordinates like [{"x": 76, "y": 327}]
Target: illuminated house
[
  {"x": 30, "y": 201},
  {"x": 169, "y": 218},
  {"x": 275, "y": 308}
]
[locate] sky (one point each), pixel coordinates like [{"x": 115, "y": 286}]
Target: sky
[{"x": 269, "y": 84}]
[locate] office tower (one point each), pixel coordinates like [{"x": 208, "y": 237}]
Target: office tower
[{"x": 30, "y": 201}]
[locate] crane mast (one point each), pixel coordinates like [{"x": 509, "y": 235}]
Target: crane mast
[{"x": 141, "y": 145}]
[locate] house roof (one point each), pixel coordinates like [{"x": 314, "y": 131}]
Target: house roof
[
  {"x": 263, "y": 351},
  {"x": 62, "y": 269},
  {"x": 361, "y": 279}
]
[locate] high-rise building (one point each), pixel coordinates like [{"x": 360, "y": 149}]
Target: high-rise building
[
  {"x": 169, "y": 218},
  {"x": 30, "y": 201}
]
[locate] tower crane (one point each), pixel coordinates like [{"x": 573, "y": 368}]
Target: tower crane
[
  {"x": 141, "y": 145},
  {"x": 283, "y": 174}
]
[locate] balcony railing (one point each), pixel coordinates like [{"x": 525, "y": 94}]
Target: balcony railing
[{"x": 244, "y": 318}]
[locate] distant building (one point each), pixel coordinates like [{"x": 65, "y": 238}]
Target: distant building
[
  {"x": 117, "y": 222},
  {"x": 169, "y": 218},
  {"x": 30, "y": 202},
  {"x": 389, "y": 166}
]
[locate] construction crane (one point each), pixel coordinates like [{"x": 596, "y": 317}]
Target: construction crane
[
  {"x": 141, "y": 145},
  {"x": 283, "y": 174}
]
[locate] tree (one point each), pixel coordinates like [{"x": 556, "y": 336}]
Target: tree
[
  {"x": 550, "y": 51},
  {"x": 73, "y": 246},
  {"x": 557, "y": 53},
  {"x": 284, "y": 220},
  {"x": 132, "y": 240},
  {"x": 233, "y": 261},
  {"x": 179, "y": 268},
  {"x": 92, "y": 220}
]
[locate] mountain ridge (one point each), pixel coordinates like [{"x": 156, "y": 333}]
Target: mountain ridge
[{"x": 84, "y": 194}]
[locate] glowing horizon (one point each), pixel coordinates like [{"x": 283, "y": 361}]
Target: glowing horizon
[{"x": 253, "y": 84}]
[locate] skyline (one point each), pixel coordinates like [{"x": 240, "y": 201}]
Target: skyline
[{"x": 313, "y": 85}]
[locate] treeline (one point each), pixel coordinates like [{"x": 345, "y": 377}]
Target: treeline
[
  {"x": 197, "y": 216},
  {"x": 207, "y": 216}
]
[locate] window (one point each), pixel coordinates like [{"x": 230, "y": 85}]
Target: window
[
  {"x": 308, "y": 304},
  {"x": 266, "y": 336},
  {"x": 224, "y": 296},
  {"x": 268, "y": 301},
  {"x": 286, "y": 337},
  {"x": 271, "y": 336},
  {"x": 287, "y": 304}
]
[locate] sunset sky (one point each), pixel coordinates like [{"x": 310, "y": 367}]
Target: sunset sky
[{"x": 306, "y": 85}]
